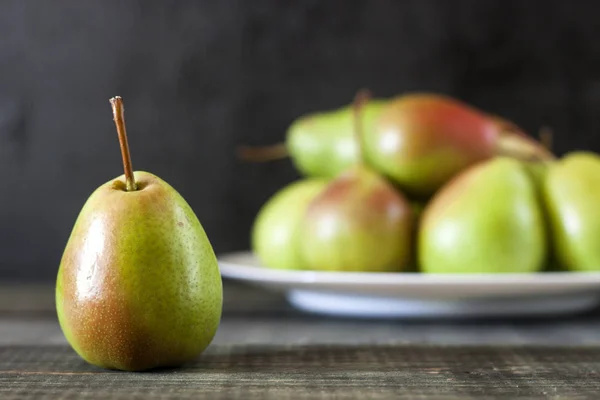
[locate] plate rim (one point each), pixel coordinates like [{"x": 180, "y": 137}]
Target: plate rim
[{"x": 234, "y": 270}]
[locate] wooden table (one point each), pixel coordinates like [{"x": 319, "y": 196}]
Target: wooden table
[{"x": 266, "y": 350}]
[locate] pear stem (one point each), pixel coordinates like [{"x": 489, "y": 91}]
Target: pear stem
[
  {"x": 546, "y": 137},
  {"x": 523, "y": 148},
  {"x": 263, "y": 153},
  {"x": 514, "y": 142},
  {"x": 361, "y": 98},
  {"x": 118, "y": 115}
]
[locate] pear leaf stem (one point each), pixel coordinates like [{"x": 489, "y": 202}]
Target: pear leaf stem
[
  {"x": 361, "y": 98},
  {"x": 119, "y": 118}
]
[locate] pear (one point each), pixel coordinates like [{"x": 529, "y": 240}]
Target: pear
[
  {"x": 323, "y": 144},
  {"x": 320, "y": 144},
  {"x": 359, "y": 222},
  {"x": 138, "y": 285},
  {"x": 487, "y": 219},
  {"x": 572, "y": 195},
  {"x": 421, "y": 140},
  {"x": 274, "y": 232}
]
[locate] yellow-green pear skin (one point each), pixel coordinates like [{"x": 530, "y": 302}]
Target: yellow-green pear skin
[
  {"x": 323, "y": 144},
  {"x": 572, "y": 195},
  {"x": 359, "y": 223},
  {"x": 138, "y": 285},
  {"x": 274, "y": 232},
  {"x": 488, "y": 219}
]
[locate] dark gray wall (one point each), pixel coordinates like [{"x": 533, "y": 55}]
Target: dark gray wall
[{"x": 199, "y": 77}]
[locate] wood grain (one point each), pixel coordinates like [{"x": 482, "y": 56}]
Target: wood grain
[{"x": 351, "y": 372}]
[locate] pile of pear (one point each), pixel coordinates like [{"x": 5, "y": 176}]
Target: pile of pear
[{"x": 426, "y": 183}]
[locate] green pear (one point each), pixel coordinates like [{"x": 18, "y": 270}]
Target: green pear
[
  {"x": 572, "y": 195},
  {"x": 138, "y": 284},
  {"x": 274, "y": 232},
  {"x": 358, "y": 223},
  {"x": 322, "y": 144},
  {"x": 488, "y": 219}
]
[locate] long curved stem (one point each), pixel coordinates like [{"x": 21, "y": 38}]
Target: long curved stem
[{"x": 118, "y": 115}]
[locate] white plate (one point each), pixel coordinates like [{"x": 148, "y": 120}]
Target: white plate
[{"x": 389, "y": 295}]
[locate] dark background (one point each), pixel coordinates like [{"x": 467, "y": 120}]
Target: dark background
[{"x": 200, "y": 77}]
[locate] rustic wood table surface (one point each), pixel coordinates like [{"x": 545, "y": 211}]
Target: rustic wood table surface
[{"x": 266, "y": 350}]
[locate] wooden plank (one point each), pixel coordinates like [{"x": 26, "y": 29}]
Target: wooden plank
[
  {"x": 303, "y": 330},
  {"x": 38, "y": 299},
  {"x": 257, "y": 317},
  {"x": 350, "y": 372},
  {"x": 26, "y": 298}
]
